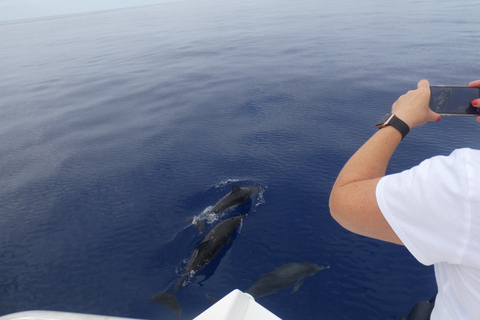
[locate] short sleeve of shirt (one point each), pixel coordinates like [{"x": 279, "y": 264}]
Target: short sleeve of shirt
[{"x": 433, "y": 208}]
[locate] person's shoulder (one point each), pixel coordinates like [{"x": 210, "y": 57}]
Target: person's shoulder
[
  {"x": 458, "y": 161},
  {"x": 465, "y": 154},
  {"x": 468, "y": 156},
  {"x": 467, "y": 151},
  {"x": 460, "y": 153}
]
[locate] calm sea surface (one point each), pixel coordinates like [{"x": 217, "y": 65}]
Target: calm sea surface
[{"x": 116, "y": 127}]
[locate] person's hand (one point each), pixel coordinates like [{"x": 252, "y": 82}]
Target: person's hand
[
  {"x": 476, "y": 102},
  {"x": 413, "y": 107}
]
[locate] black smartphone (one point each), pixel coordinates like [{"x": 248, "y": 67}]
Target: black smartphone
[{"x": 454, "y": 101}]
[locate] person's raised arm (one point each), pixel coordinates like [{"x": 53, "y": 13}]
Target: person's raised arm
[{"x": 352, "y": 200}]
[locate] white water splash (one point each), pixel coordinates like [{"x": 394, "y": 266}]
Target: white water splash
[
  {"x": 209, "y": 217},
  {"x": 226, "y": 182}
]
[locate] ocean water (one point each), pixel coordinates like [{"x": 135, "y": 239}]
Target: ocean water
[{"x": 117, "y": 126}]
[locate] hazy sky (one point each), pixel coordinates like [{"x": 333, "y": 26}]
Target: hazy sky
[{"x": 25, "y": 9}]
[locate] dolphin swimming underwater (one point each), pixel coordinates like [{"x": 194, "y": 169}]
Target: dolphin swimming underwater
[
  {"x": 235, "y": 198},
  {"x": 168, "y": 300},
  {"x": 204, "y": 252},
  {"x": 209, "y": 247},
  {"x": 289, "y": 274}
]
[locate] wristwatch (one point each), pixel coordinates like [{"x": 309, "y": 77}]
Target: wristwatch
[{"x": 391, "y": 119}]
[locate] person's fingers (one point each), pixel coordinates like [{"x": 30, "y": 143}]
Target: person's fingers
[
  {"x": 432, "y": 116},
  {"x": 476, "y": 102},
  {"x": 424, "y": 84},
  {"x": 475, "y": 83}
]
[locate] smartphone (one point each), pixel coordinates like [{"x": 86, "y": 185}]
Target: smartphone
[{"x": 454, "y": 101}]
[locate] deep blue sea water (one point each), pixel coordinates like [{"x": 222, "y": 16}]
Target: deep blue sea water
[{"x": 117, "y": 126}]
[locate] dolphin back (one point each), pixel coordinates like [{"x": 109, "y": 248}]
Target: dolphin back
[
  {"x": 208, "y": 249},
  {"x": 236, "y": 197},
  {"x": 289, "y": 274}
]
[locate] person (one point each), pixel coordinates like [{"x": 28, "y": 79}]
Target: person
[{"x": 433, "y": 209}]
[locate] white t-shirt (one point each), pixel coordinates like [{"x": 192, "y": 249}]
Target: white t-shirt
[{"x": 434, "y": 208}]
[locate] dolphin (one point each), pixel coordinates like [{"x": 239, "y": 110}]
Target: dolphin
[
  {"x": 208, "y": 249},
  {"x": 204, "y": 252},
  {"x": 235, "y": 198},
  {"x": 168, "y": 300},
  {"x": 199, "y": 224},
  {"x": 289, "y": 274}
]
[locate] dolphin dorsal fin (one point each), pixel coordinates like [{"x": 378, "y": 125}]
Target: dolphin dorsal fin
[
  {"x": 235, "y": 188},
  {"x": 201, "y": 245}
]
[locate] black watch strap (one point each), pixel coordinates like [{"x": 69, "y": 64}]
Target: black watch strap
[{"x": 392, "y": 120}]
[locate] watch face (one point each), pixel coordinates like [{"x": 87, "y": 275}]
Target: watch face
[{"x": 384, "y": 120}]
